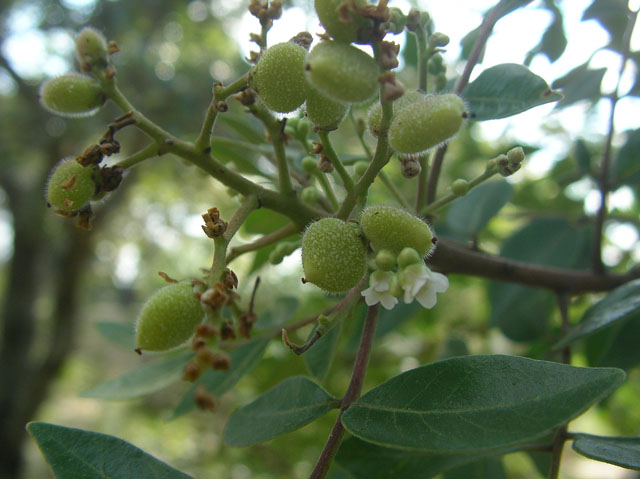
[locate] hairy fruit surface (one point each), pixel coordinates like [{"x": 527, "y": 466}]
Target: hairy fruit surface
[
  {"x": 333, "y": 255},
  {"x": 168, "y": 318},
  {"x": 393, "y": 229},
  {"x": 72, "y": 95},
  {"x": 342, "y": 22},
  {"x": 70, "y": 186}
]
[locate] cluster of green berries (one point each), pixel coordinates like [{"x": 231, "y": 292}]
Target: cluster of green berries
[{"x": 334, "y": 252}]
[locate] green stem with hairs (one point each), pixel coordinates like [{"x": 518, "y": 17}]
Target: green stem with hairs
[{"x": 347, "y": 181}]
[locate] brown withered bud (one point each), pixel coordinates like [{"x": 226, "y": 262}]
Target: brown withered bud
[
  {"x": 222, "y": 106},
  {"x": 112, "y": 47},
  {"x": 220, "y": 361},
  {"x": 110, "y": 177},
  {"x": 256, "y": 7},
  {"x": 389, "y": 55},
  {"x": 191, "y": 371},
  {"x": 324, "y": 164},
  {"x": 205, "y": 357},
  {"x": 204, "y": 400},
  {"x": 304, "y": 39},
  {"x": 166, "y": 277},
  {"x": 109, "y": 72},
  {"x": 91, "y": 156},
  {"x": 316, "y": 147},
  {"x": 253, "y": 57},
  {"x": 227, "y": 332},
  {"x": 198, "y": 343},
  {"x": 392, "y": 89},
  {"x": 246, "y": 97},
  {"x": 213, "y": 226},
  {"x": 410, "y": 167},
  {"x": 206, "y": 330},
  {"x": 275, "y": 9},
  {"x": 246, "y": 322},
  {"x": 85, "y": 217},
  {"x": 255, "y": 38},
  {"x": 229, "y": 279}
]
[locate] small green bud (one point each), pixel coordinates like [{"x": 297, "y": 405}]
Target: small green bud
[
  {"x": 333, "y": 255},
  {"x": 438, "y": 39},
  {"x": 385, "y": 260},
  {"x": 506, "y": 167},
  {"x": 394, "y": 229},
  {"x": 342, "y": 72},
  {"x": 72, "y": 95},
  {"x": 310, "y": 195},
  {"x": 427, "y": 123},
  {"x": 515, "y": 155},
  {"x": 342, "y": 21},
  {"x": 323, "y": 111},
  {"x": 276, "y": 255},
  {"x": 436, "y": 64},
  {"x": 460, "y": 187},
  {"x": 397, "y": 21},
  {"x": 91, "y": 47},
  {"x": 360, "y": 167},
  {"x": 278, "y": 77},
  {"x": 168, "y": 318},
  {"x": 408, "y": 256},
  {"x": 309, "y": 164},
  {"x": 375, "y": 113},
  {"x": 70, "y": 186},
  {"x": 395, "y": 288}
]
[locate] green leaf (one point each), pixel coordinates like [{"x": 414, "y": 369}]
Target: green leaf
[
  {"x": 615, "y": 306},
  {"x": 121, "y": 334},
  {"x": 319, "y": 357},
  {"x": 521, "y": 312},
  {"x": 78, "y": 454},
  {"x": 288, "y": 406},
  {"x": 475, "y": 404},
  {"x": 482, "y": 469},
  {"x": 505, "y": 90},
  {"x": 582, "y": 156},
  {"x": 471, "y": 213},
  {"x": 278, "y": 314},
  {"x": 580, "y": 84},
  {"x": 621, "y": 451},
  {"x": 553, "y": 42},
  {"x": 245, "y": 127},
  {"x": 243, "y": 358},
  {"x": 626, "y": 167},
  {"x": 616, "y": 346},
  {"x": 244, "y": 162},
  {"x": 364, "y": 460},
  {"x": 613, "y": 16},
  {"x": 149, "y": 378},
  {"x": 263, "y": 221}
]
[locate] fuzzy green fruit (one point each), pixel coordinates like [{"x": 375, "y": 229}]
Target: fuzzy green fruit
[
  {"x": 375, "y": 113},
  {"x": 168, "y": 318},
  {"x": 393, "y": 229},
  {"x": 342, "y": 72},
  {"x": 342, "y": 22},
  {"x": 72, "y": 95},
  {"x": 70, "y": 186},
  {"x": 323, "y": 111},
  {"x": 333, "y": 255},
  {"x": 91, "y": 46},
  {"x": 427, "y": 123},
  {"x": 279, "y": 78}
]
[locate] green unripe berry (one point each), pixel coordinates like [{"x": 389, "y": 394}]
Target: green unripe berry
[
  {"x": 427, "y": 123},
  {"x": 375, "y": 113},
  {"x": 385, "y": 260},
  {"x": 342, "y": 72},
  {"x": 310, "y": 195},
  {"x": 360, "y": 167},
  {"x": 394, "y": 229},
  {"x": 309, "y": 164},
  {"x": 342, "y": 22},
  {"x": 323, "y": 111},
  {"x": 333, "y": 255},
  {"x": 460, "y": 187},
  {"x": 168, "y": 318},
  {"x": 70, "y": 186},
  {"x": 278, "y": 77},
  {"x": 408, "y": 256},
  {"x": 91, "y": 47},
  {"x": 72, "y": 95}
]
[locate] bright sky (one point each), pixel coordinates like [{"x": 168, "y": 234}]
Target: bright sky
[{"x": 513, "y": 37}]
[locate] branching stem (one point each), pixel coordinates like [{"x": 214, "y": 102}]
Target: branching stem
[{"x": 347, "y": 181}]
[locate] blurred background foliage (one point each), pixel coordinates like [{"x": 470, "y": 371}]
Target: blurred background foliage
[{"x": 59, "y": 284}]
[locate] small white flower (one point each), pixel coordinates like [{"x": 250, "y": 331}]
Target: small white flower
[
  {"x": 419, "y": 282},
  {"x": 379, "y": 290}
]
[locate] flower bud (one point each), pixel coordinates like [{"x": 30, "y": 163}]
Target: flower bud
[
  {"x": 309, "y": 165},
  {"x": 407, "y": 257},
  {"x": 438, "y": 39},
  {"x": 515, "y": 155},
  {"x": 460, "y": 187},
  {"x": 310, "y": 195},
  {"x": 385, "y": 260}
]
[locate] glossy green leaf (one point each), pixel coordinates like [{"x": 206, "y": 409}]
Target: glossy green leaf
[
  {"x": 364, "y": 460},
  {"x": 78, "y": 454},
  {"x": 145, "y": 380},
  {"x": 120, "y": 334},
  {"x": 483, "y": 469},
  {"x": 523, "y": 313},
  {"x": 581, "y": 83},
  {"x": 626, "y": 167},
  {"x": 615, "y": 306},
  {"x": 319, "y": 357},
  {"x": 505, "y": 90},
  {"x": 621, "y": 451},
  {"x": 617, "y": 345},
  {"x": 474, "y": 404},
  {"x": 468, "y": 215},
  {"x": 293, "y": 403},
  {"x": 243, "y": 358}
]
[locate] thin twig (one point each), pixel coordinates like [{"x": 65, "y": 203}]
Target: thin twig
[{"x": 265, "y": 240}]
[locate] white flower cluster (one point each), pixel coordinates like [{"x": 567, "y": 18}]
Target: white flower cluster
[{"x": 414, "y": 280}]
